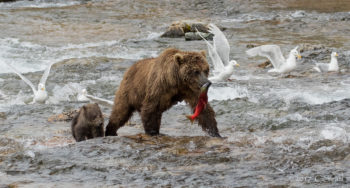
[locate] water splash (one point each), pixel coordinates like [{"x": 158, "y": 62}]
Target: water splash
[
  {"x": 31, "y": 57},
  {"x": 68, "y": 92},
  {"x": 39, "y": 4},
  {"x": 334, "y": 132},
  {"x": 227, "y": 93}
]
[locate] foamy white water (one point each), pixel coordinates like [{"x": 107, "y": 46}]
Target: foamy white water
[
  {"x": 227, "y": 93},
  {"x": 304, "y": 137},
  {"x": 30, "y": 57},
  {"x": 19, "y": 99},
  {"x": 66, "y": 92},
  {"x": 39, "y": 4},
  {"x": 335, "y": 132},
  {"x": 313, "y": 95},
  {"x": 149, "y": 36}
]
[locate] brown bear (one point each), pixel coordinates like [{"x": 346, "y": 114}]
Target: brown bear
[
  {"x": 88, "y": 123},
  {"x": 151, "y": 86}
]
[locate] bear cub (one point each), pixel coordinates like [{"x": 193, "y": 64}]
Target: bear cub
[{"x": 88, "y": 123}]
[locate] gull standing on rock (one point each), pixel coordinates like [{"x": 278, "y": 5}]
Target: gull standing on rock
[
  {"x": 40, "y": 95},
  {"x": 219, "y": 54},
  {"x": 274, "y": 54},
  {"x": 328, "y": 67}
]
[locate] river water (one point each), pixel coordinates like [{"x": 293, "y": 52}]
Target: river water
[{"x": 281, "y": 130}]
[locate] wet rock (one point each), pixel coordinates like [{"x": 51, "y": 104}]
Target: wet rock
[
  {"x": 4, "y": 1},
  {"x": 12, "y": 185},
  {"x": 198, "y": 26},
  {"x": 321, "y": 143},
  {"x": 174, "y": 31},
  {"x": 314, "y": 53},
  {"x": 55, "y": 141},
  {"x": 81, "y": 61},
  {"x": 347, "y": 158},
  {"x": 278, "y": 186},
  {"x": 310, "y": 47},
  {"x": 64, "y": 116},
  {"x": 266, "y": 64},
  {"x": 179, "y": 28},
  {"x": 213, "y": 142},
  {"x": 2, "y": 115},
  {"x": 8, "y": 146},
  {"x": 292, "y": 76},
  {"x": 325, "y": 150},
  {"x": 251, "y": 45},
  {"x": 196, "y": 36},
  {"x": 183, "y": 146}
]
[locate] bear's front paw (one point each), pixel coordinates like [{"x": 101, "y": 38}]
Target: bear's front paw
[
  {"x": 152, "y": 133},
  {"x": 214, "y": 134},
  {"x": 111, "y": 133}
]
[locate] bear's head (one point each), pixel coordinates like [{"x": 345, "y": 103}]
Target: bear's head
[
  {"x": 193, "y": 70},
  {"x": 92, "y": 113}
]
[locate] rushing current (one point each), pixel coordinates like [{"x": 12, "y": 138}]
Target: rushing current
[{"x": 280, "y": 130}]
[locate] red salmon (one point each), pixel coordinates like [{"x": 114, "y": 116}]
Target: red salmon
[{"x": 202, "y": 102}]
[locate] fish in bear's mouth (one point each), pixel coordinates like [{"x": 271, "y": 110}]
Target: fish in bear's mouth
[{"x": 202, "y": 102}]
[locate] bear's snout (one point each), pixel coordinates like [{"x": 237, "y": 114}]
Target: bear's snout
[{"x": 203, "y": 80}]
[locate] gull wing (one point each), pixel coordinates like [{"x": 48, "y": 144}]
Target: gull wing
[
  {"x": 214, "y": 56},
  {"x": 272, "y": 52},
  {"x": 101, "y": 101},
  {"x": 221, "y": 44},
  {"x": 22, "y": 77},
  {"x": 46, "y": 74},
  {"x": 322, "y": 67}
]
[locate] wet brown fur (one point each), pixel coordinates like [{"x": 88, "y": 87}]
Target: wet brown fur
[
  {"x": 88, "y": 123},
  {"x": 151, "y": 86}
]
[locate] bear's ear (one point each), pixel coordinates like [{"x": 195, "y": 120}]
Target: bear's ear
[
  {"x": 179, "y": 58},
  {"x": 203, "y": 53}
]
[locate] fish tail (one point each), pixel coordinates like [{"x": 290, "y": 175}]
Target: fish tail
[{"x": 190, "y": 118}]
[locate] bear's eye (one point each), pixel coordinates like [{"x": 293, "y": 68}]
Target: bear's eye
[
  {"x": 206, "y": 72},
  {"x": 196, "y": 72}
]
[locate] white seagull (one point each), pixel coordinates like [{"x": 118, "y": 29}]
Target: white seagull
[
  {"x": 328, "y": 67},
  {"x": 274, "y": 54},
  {"x": 40, "y": 95},
  {"x": 219, "y": 54},
  {"x": 84, "y": 96}
]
